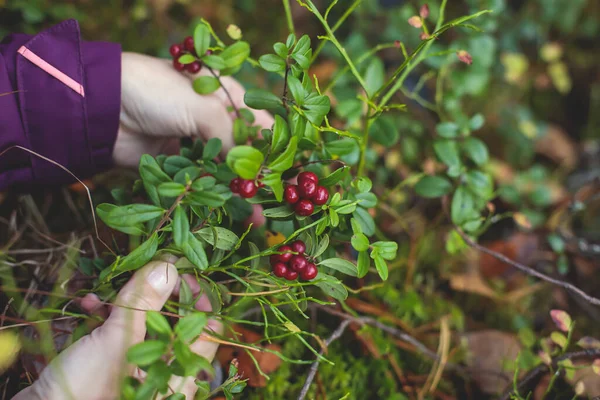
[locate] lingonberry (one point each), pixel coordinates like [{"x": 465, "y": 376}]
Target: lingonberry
[
  {"x": 287, "y": 255},
  {"x": 274, "y": 259},
  {"x": 248, "y": 189},
  {"x": 298, "y": 263},
  {"x": 291, "y": 194},
  {"x": 291, "y": 275},
  {"x": 235, "y": 184},
  {"x": 307, "y": 189},
  {"x": 298, "y": 246},
  {"x": 176, "y": 50},
  {"x": 307, "y": 176},
  {"x": 321, "y": 196},
  {"x": 194, "y": 67},
  {"x": 304, "y": 208},
  {"x": 188, "y": 43},
  {"x": 280, "y": 270},
  {"x": 178, "y": 66},
  {"x": 310, "y": 272}
]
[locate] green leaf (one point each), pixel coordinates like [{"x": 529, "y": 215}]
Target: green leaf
[
  {"x": 214, "y": 62},
  {"x": 302, "y": 46},
  {"x": 193, "y": 250},
  {"x": 226, "y": 239},
  {"x": 176, "y": 396},
  {"x": 128, "y": 219},
  {"x": 181, "y": 226},
  {"x": 206, "y": 84},
  {"x": 302, "y": 60},
  {"x": 345, "y": 207},
  {"x": 152, "y": 176},
  {"x": 323, "y": 246},
  {"x": 331, "y": 286},
  {"x": 341, "y": 265},
  {"x": 201, "y": 39},
  {"x": 207, "y": 198},
  {"x": 384, "y": 131},
  {"x": 433, "y": 186},
  {"x": 365, "y": 221},
  {"x": 291, "y": 39},
  {"x": 335, "y": 177},
  {"x": 186, "y": 59},
  {"x": 190, "y": 362},
  {"x": 297, "y": 90},
  {"x": 147, "y": 352},
  {"x": 273, "y": 180},
  {"x": 171, "y": 189},
  {"x": 447, "y": 152},
  {"x": 157, "y": 323},
  {"x": 278, "y": 212},
  {"x": 447, "y": 130},
  {"x": 234, "y": 56},
  {"x": 245, "y": 161},
  {"x": 334, "y": 218},
  {"x": 190, "y": 173},
  {"x": 272, "y": 63},
  {"x": 341, "y": 147},
  {"x": 204, "y": 183},
  {"x": 374, "y": 76},
  {"x": 174, "y": 164},
  {"x": 481, "y": 184},
  {"x": 254, "y": 251},
  {"x": 281, "y": 50},
  {"x": 360, "y": 242},
  {"x": 212, "y": 149},
  {"x": 281, "y": 134},
  {"x": 316, "y": 108},
  {"x": 387, "y": 250},
  {"x": 382, "y": 268},
  {"x": 286, "y": 159},
  {"x": 363, "y": 264},
  {"x": 476, "y": 122},
  {"x": 462, "y": 205},
  {"x": 476, "y": 150},
  {"x": 190, "y": 326},
  {"x": 260, "y": 99},
  {"x": 366, "y": 200},
  {"x": 140, "y": 256}
]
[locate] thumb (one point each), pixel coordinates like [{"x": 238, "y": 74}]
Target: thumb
[{"x": 147, "y": 290}]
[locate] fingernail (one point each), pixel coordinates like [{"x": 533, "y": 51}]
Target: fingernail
[{"x": 158, "y": 277}]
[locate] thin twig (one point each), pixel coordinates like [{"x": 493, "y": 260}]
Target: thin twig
[
  {"x": 237, "y": 112},
  {"x": 315, "y": 366},
  {"x": 536, "y": 373},
  {"x": 528, "y": 270}
]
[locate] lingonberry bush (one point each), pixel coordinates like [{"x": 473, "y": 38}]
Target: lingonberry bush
[{"x": 311, "y": 179}]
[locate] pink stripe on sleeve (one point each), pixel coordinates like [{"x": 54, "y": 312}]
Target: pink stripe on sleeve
[{"x": 35, "y": 59}]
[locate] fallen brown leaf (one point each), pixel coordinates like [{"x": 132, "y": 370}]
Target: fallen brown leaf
[{"x": 558, "y": 146}]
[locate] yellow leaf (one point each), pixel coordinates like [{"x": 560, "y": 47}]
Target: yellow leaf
[
  {"x": 234, "y": 32},
  {"x": 551, "y": 52},
  {"x": 515, "y": 66},
  {"x": 9, "y": 348},
  {"x": 522, "y": 220},
  {"x": 274, "y": 238},
  {"x": 560, "y": 77}
]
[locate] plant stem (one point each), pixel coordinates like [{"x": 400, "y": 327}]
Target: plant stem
[
  {"x": 330, "y": 36},
  {"x": 364, "y": 145},
  {"x": 218, "y": 77},
  {"x": 335, "y": 28},
  {"x": 289, "y": 17}
]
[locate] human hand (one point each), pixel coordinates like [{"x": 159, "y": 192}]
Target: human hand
[
  {"x": 94, "y": 366},
  {"x": 158, "y": 105}
]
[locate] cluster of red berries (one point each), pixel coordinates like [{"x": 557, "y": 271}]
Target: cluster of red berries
[
  {"x": 306, "y": 194},
  {"x": 177, "y": 50},
  {"x": 244, "y": 187},
  {"x": 289, "y": 266}
]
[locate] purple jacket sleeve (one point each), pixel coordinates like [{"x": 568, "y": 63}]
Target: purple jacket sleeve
[{"x": 40, "y": 112}]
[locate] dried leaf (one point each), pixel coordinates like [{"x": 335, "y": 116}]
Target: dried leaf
[
  {"x": 464, "y": 57},
  {"x": 415, "y": 21},
  {"x": 561, "y": 319}
]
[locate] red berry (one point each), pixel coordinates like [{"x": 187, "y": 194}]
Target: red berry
[
  {"x": 291, "y": 275},
  {"x": 235, "y": 184},
  {"x": 287, "y": 256},
  {"x": 307, "y": 176},
  {"x": 274, "y": 259},
  {"x": 209, "y": 52},
  {"x": 280, "y": 270},
  {"x": 291, "y": 194},
  {"x": 188, "y": 43},
  {"x": 247, "y": 189},
  {"x": 178, "y": 66},
  {"x": 298, "y": 246},
  {"x": 298, "y": 263},
  {"x": 310, "y": 272},
  {"x": 321, "y": 196},
  {"x": 194, "y": 67},
  {"x": 176, "y": 50},
  {"x": 304, "y": 208},
  {"x": 307, "y": 189}
]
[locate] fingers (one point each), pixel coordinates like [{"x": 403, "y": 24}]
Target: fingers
[{"x": 148, "y": 289}]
